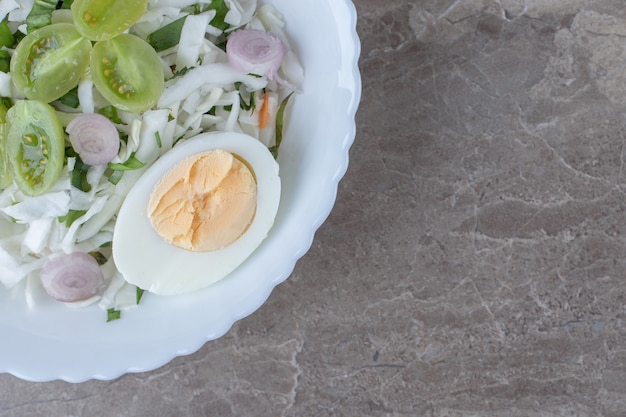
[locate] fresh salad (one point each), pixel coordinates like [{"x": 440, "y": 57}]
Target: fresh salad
[{"x": 92, "y": 93}]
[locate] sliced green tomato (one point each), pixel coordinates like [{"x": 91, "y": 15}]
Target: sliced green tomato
[
  {"x": 5, "y": 176},
  {"x": 99, "y": 20},
  {"x": 127, "y": 72},
  {"x": 50, "y": 61},
  {"x": 35, "y": 146}
]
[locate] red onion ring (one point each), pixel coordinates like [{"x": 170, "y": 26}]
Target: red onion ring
[
  {"x": 253, "y": 51},
  {"x": 95, "y": 138},
  {"x": 72, "y": 277}
]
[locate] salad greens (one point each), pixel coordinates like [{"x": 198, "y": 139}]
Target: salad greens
[{"x": 160, "y": 73}]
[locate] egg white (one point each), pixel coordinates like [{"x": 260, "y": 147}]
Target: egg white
[{"x": 149, "y": 262}]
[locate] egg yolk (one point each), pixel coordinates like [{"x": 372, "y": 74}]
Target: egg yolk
[{"x": 205, "y": 202}]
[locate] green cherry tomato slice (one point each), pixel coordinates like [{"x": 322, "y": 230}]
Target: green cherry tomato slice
[
  {"x": 35, "y": 146},
  {"x": 5, "y": 176},
  {"x": 99, "y": 20},
  {"x": 127, "y": 72},
  {"x": 50, "y": 61}
]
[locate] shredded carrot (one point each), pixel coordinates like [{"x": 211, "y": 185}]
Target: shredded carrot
[{"x": 264, "y": 110}]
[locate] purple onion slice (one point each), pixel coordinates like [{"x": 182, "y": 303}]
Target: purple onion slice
[
  {"x": 253, "y": 51},
  {"x": 95, "y": 138},
  {"x": 72, "y": 277}
]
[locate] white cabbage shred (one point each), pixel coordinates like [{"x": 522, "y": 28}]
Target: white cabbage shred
[{"x": 32, "y": 229}]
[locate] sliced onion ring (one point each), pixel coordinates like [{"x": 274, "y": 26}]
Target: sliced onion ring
[
  {"x": 253, "y": 51},
  {"x": 95, "y": 138},
  {"x": 72, "y": 277}
]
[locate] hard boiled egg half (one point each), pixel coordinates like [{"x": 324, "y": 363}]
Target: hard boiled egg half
[{"x": 197, "y": 213}]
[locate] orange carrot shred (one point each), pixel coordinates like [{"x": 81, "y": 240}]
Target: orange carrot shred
[{"x": 264, "y": 111}]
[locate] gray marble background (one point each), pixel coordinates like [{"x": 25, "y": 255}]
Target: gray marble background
[{"x": 474, "y": 262}]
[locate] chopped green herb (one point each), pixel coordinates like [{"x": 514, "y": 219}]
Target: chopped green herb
[
  {"x": 193, "y": 9},
  {"x": 181, "y": 72},
  {"x": 178, "y": 140},
  {"x": 70, "y": 99},
  {"x": 6, "y": 102},
  {"x": 221, "y": 43},
  {"x": 113, "y": 314},
  {"x": 66, "y": 4},
  {"x": 221, "y": 9},
  {"x": 279, "y": 126},
  {"x": 115, "y": 177},
  {"x": 131, "y": 164},
  {"x": 157, "y": 136},
  {"x": 167, "y": 36},
  {"x": 41, "y": 14},
  {"x": 79, "y": 173},
  {"x": 6, "y": 37},
  {"x": 110, "y": 113},
  {"x": 99, "y": 257},
  {"x": 251, "y": 105},
  {"x": 139, "y": 294},
  {"x": 5, "y": 61},
  {"x": 72, "y": 216},
  {"x": 18, "y": 35}
]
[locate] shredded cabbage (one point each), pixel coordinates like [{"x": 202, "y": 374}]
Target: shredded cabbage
[{"x": 203, "y": 92}]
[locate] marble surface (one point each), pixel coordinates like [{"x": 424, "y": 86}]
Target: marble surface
[{"x": 474, "y": 262}]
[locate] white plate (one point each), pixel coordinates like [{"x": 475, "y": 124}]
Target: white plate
[{"x": 57, "y": 342}]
